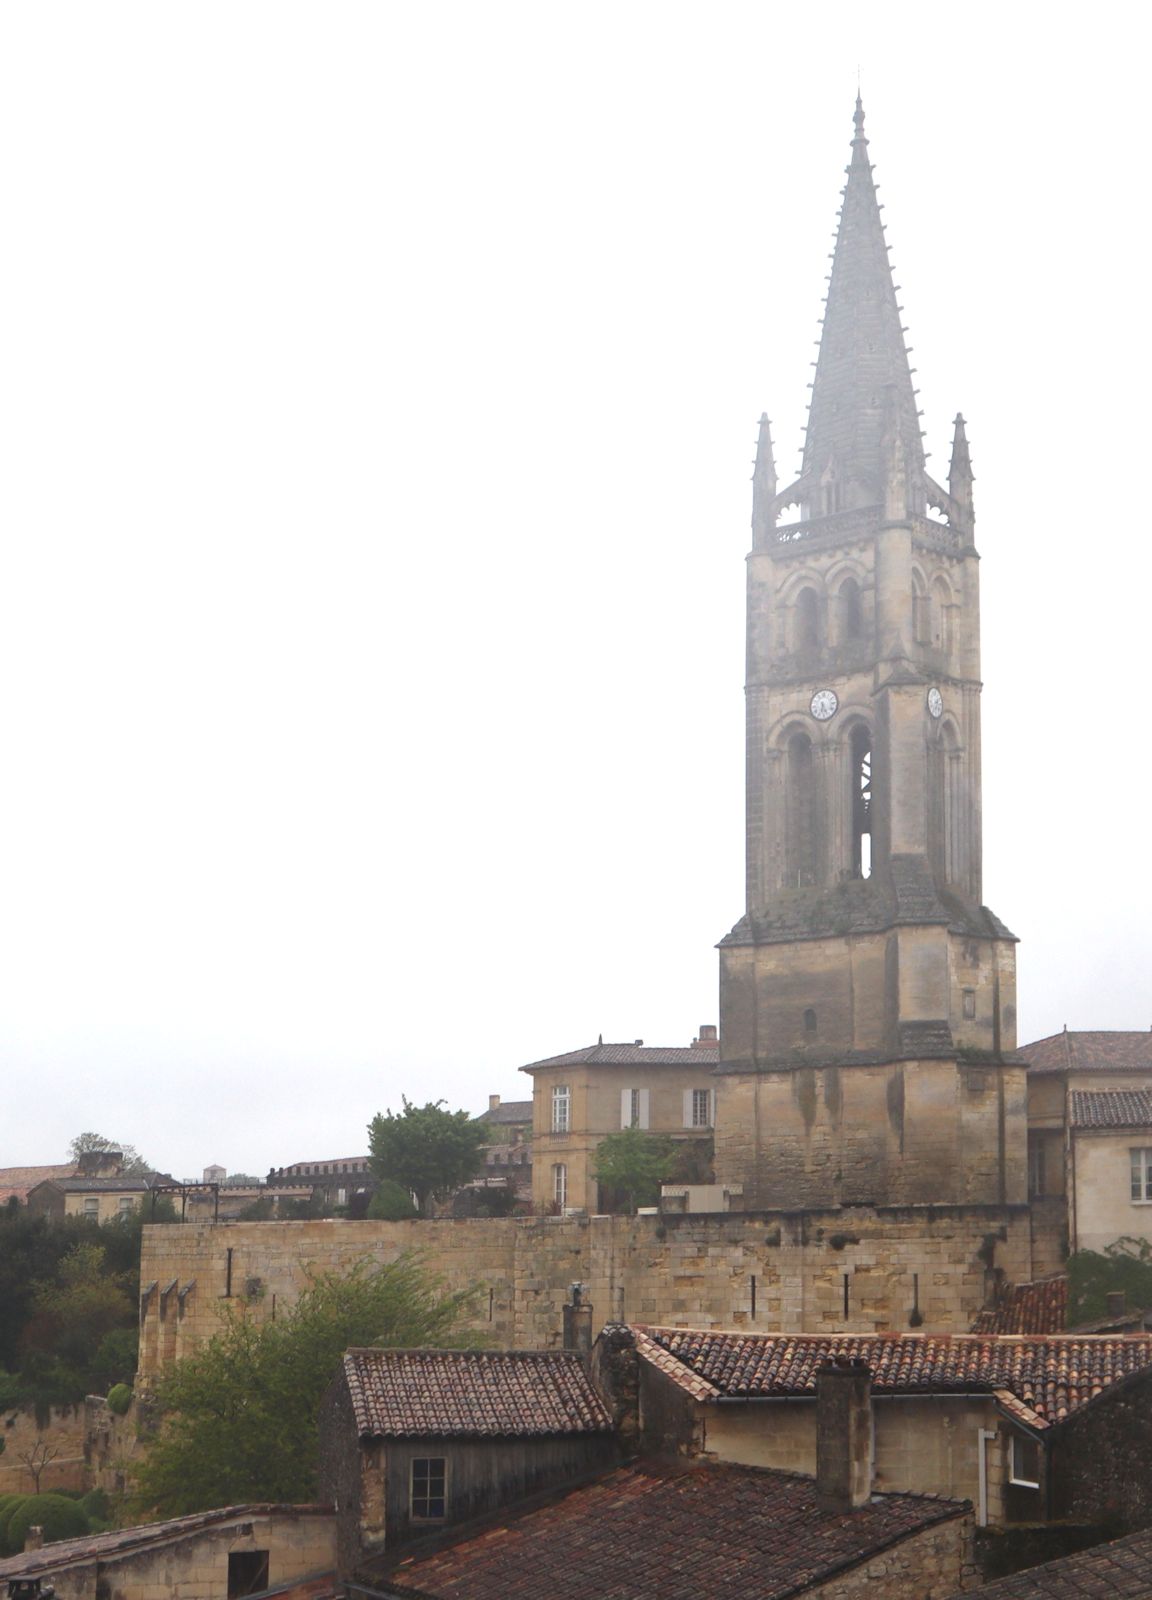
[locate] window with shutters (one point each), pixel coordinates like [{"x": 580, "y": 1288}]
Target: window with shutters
[{"x": 701, "y": 1108}]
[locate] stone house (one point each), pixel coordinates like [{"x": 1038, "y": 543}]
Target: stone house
[
  {"x": 334, "y": 1180},
  {"x": 1089, "y": 1140},
  {"x": 674, "y": 1530},
  {"x": 413, "y": 1442},
  {"x": 212, "y": 1555},
  {"x": 96, "y": 1187},
  {"x": 583, "y": 1095},
  {"x": 979, "y": 1418}
]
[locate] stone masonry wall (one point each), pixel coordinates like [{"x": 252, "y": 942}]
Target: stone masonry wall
[
  {"x": 928, "y": 1566},
  {"x": 63, "y": 1435},
  {"x": 858, "y": 1269}
]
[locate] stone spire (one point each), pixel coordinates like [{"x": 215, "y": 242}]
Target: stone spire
[
  {"x": 863, "y": 384},
  {"x": 960, "y": 475},
  {"x": 763, "y": 483}
]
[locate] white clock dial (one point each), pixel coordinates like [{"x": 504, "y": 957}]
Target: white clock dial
[
  {"x": 935, "y": 701},
  {"x": 824, "y": 704}
]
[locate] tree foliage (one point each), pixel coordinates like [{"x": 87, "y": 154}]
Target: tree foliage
[
  {"x": 135, "y": 1165},
  {"x": 631, "y": 1165},
  {"x": 69, "y": 1292},
  {"x": 241, "y": 1413},
  {"x": 1126, "y": 1265},
  {"x": 426, "y": 1149},
  {"x": 391, "y": 1203}
]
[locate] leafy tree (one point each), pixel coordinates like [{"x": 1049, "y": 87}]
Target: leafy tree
[
  {"x": 391, "y": 1203},
  {"x": 135, "y": 1165},
  {"x": 631, "y": 1165},
  {"x": 241, "y": 1413},
  {"x": 1126, "y": 1265},
  {"x": 426, "y": 1149},
  {"x": 60, "y": 1518}
]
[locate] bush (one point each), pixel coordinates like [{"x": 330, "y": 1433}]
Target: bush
[
  {"x": 7, "y": 1512},
  {"x": 94, "y": 1505},
  {"x": 119, "y": 1398},
  {"x": 391, "y": 1203},
  {"x": 60, "y": 1518}
]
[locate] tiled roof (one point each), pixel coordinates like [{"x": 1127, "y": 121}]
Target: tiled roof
[
  {"x": 646, "y": 1533},
  {"x": 1121, "y": 1570},
  {"x": 122, "y": 1541},
  {"x": 470, "y": 1392},
  {"x": 634, "y": 1055},
  {"x": 1051, "y": 1377},
  {"x": 18, "y": 1180},
  {"x": 508, "y": 1111},
  {"x": 1090, "y": 1052},
  {"x": 1040, "y": 1307},
  {"x": 1111, "y": 1108}
]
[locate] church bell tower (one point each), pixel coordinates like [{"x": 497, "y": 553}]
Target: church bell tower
[{"x": 867, "y": 996}]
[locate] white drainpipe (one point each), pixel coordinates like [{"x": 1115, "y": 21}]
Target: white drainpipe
[{"x": 983, "y": 1436}]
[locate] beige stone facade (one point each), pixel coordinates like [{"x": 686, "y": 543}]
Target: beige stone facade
[
  {"x": 582, "y": 1096},
  {"x": 61, "y": 1434},
  {"x": 190, "y": 1558},
  {"x": 856, "y": 1269}
]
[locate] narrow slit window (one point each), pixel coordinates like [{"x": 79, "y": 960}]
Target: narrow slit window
[
  {"x": 809, "y": 1023},
  {"x": 861, "y": 767}
]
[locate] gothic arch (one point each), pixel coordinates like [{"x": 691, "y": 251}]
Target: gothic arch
[
  {"x": 858, "y": 742},
  {"x": 947, "y": 818},
  {"x": 800, "y": 800},
  {"x": 921, "y": 618},
  {"x": 942, "y": 611}
]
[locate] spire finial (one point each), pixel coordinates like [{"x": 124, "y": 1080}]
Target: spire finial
[{"x": 858, "y": 117}]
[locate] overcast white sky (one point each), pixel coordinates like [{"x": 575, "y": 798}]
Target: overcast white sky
[{"x": 378, "y": 392}]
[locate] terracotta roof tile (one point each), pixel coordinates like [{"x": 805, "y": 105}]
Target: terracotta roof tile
[
  {"x": 470, "y": 1392},
  {"x": 647, "y": 1533},
  {"x": 1121, "y": 1570},
  {"x": 1090, "y": 1052},
  {"x": 705, "y": 1055},
  {"x": 1111, "y": 1108},
  {"x": 1040, "y": 1307},
  {"x": 1051, "y": 1376}
]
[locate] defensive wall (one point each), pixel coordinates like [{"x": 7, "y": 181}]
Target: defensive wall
[{"x": 847, "y": 1270}]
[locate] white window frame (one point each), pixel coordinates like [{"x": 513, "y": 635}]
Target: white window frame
[
  {"x": 1141, "y": 1173},
  {"x": 561, "y": 1108},
  {"x": 693, "y": 1104},
  {"x": 560, "y": 1185},
  {"x": 635, "y": 1108},
  {"x": 91, "y": 1206},
  {"x": 1015, "y": 1470}
]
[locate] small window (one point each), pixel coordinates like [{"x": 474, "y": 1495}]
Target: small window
[
  {"x": 127, "y": 1204},
  {"x": 247, "y": 1573},
  {"x": 701, "y": 1108},
  {"x": 429, "y": 1486},
  {"x": 561, "y": 1108},
  {"x": 560, "y": 1184},
  {"x": 1142, "y": 1174},
  {"x": 969, "y": 1005},
  {"x": 91, "y": 1207},
  {"x": 809, "y": 1023},
  {"x": 1024, "y": 1463}
]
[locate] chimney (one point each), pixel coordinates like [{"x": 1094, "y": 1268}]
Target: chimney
[
  {"x": 707, "y": 1034},
  {"x": 578, "y": 1322},
  {"x": 493, "y": 1101},
  {"x": 34, "y": 1539},
  {"x": 1117, "y": 1302},
  {"x": 843, "y": 1434}
]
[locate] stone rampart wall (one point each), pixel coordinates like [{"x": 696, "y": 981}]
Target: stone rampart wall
[
  {"x": 61, "y": 1437},
  {"x": 857, "y": 1269}
]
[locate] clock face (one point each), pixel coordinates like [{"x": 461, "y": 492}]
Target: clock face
[
  {"x": 824, "y": 704},
  {"x": 935, "y": 701}
]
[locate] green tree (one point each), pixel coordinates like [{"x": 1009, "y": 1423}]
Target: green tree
[
  {"x": 631, "y": 1165},
  {"x": 1126, "y": 1265},
  {"x": 391, "y": 1203},
  {"x": 241, "y": 1414},
  {"x": 426, "y": 1149},
  {"x": 135, "y": 1165}
]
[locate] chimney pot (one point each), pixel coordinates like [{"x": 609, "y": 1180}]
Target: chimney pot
[
  {"x": 707, "y": 1033},
  {"x": 493, "y": 1101},
  {"x": 639, "y": 1042},
  {"x": 578, "y": 1322},
  {"x": 34, "y": 1539}
]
